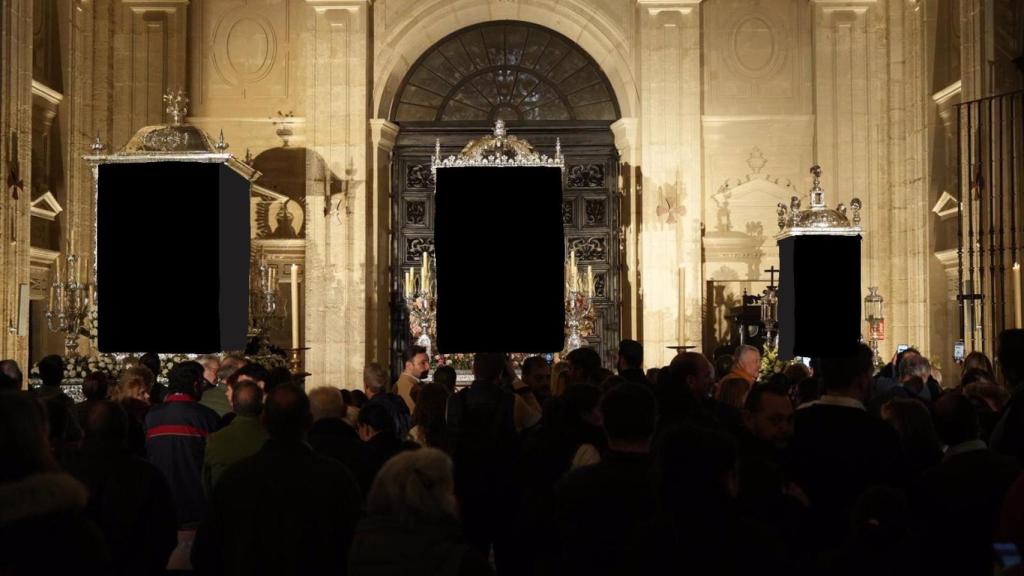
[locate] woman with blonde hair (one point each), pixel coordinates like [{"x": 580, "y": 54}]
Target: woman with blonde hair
[
  {"x": 559, "y": 378},
  {"x": 132, "y": 393},
  {"x": 412, "y": 525}
]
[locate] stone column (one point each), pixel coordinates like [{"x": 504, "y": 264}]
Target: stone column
[
  {"x": 378, "y": 295},
  {"x": 150, "y": 52},
  {"x": 626, "y": 132},
  {"x": 670, "y": 142},
  {"x": 869, "y": 94},
  {"x": 337, "y": 269},
  {"x": 16, "y": 170}
]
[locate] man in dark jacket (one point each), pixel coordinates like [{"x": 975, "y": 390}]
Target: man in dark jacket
[
  {"x": 60, "y": 408},
  {"x": 176, "y": 432},
  {"x": 604, "y": 513},
  {"x": 1008, "y": 436},
  {"x": 958, "y": 501},
  {"x": 631, "y": 362},
  {"x": 839, "y": 450},
  {"x": 485, "y": 448},
  {"x": 284, "y": 510},
  {"x": 376, "y": 429},
  {"x": 129, "y": 499},
  {"x": 330, "y": 435}
]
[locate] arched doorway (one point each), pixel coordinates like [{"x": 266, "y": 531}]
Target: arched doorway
[{"x": 545, "y": 87}]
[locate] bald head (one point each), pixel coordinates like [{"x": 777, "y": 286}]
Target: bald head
[{"x": 693, "y": 370}]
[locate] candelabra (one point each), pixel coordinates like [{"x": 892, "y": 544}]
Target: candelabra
[
  {"x": 263, "y": 303},
  {"x": 422, "y": 304},
  {"x": 874, "y": 311},
  {"x": 69, "y": 301},
  {"x": 579, "y": 310}
]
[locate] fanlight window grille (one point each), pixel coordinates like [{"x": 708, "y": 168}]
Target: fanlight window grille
[{"x": 509, "y": 71}]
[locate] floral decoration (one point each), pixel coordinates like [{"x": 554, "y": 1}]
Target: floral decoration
[{"x": 771, "y": 364}]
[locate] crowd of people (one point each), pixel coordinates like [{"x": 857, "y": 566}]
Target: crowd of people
[{"x": 571, "y": 468}]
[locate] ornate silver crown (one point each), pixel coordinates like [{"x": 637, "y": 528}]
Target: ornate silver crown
[
  {"x": 497, "y": 150},
  {"x": 819, "y": 218}
]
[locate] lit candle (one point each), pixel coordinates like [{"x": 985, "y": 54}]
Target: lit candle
[
  {"x": 590, "y": 281},
  {"x": 425, "y": 275},
  {"x": 1016, "y": 295},
  {"x": 51, "y": 296},
  {"x": 575, "y": 272},
  {"x": 295, "y": 305}
]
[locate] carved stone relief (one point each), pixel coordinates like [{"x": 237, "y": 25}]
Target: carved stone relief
[{"x": 243, "y": 54}]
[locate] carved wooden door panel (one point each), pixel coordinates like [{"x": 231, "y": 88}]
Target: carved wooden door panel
[{"x": 590, "y": 216}]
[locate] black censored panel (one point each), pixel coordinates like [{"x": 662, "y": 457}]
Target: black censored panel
[
  {"x": 500, "y": 260},
  {"x": 172, "y": 259},
  {"x": 819, "y": 295}
]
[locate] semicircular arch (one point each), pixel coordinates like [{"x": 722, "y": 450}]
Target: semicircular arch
[{"x": 597, "y": 37}]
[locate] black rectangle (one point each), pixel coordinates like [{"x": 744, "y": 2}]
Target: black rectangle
[
  {"x": 172, "y": 257},
  {"x": 819, "y": 295},
  {"x": 500, "y": 255}
]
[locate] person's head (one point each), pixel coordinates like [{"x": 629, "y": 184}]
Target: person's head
[
  {"x": 375, "y": 379},
  {"x": 429, "y": 414},
  {"x": 229, "y": 364},
  {"x": 95, "y": 386},
  {"x": 445, "y": 376},
  {"x": 23, "y": 446},
  {"x": 326, "y": 402},
  {"x": 912, "y": 421},
  {"x": 135, "y": 382},
  {"x": 629, "y": 414},
  {"x": 416, "y": 487},
  {"x": 583, "y": 362},
  {"x": 732, "y": 391},
  {"x": 747, "y": 359},
  {"x": 247, "y": 399},
  {"x": 631, "y": 355},
  {"x": 211, "y": 367},
  {"x": 277, "y": 377},
  {"x": 652, "y": 375},
  {"x": 956, "y": 419},
  {"x": 977, "y": 361},
  {"x": 1010, "y": 353},
  {"x": 151, "y": 360},
  {"x": 185, "y": 378},
  {"x": 251, "y": 372},
  {"x": 768, "y": 414},
  {"x": 914, "y": 366},
  {"x": 488, "y": 366},
  {"x": 694, "y": 372},
  {"x": 286, "y": 415},
  {"x": 559, "y": 378},
  {"x": 985, "y": 393},
  {"x": 537, "y": 375},
  {"x": 359, "y": 398},
  {"x": 51, "y": 370},
  {"x": 808, "y": 390},
  {"x": 374, "y": 419},
  {"x": 106, "y": 424},
  {"x": 848, "y": 375},
  {"x": 10, "y": 375},
  {"x": 796, "y": 373},
  {"x": 415, "y": 362}
]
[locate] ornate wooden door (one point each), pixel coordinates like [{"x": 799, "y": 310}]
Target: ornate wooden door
[{"x": 545, "y": 87}]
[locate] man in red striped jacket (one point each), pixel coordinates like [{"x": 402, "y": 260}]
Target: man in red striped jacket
[{"x": 176, "y": 432}]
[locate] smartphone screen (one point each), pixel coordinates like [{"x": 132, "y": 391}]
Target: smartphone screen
[{"x": 958, "y": 351}]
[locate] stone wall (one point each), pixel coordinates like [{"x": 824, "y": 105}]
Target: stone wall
[{"x": 725, "y": 104}]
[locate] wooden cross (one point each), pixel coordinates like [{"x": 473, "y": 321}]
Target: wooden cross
[{"x": 772, "y": 271}]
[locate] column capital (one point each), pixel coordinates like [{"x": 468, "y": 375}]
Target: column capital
[
  {"x": 383, "y": 133},
  {"x": 656, "y": 7},
  {"x": 625, "y": 131},
  {"x": 349, "y": 5}
]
